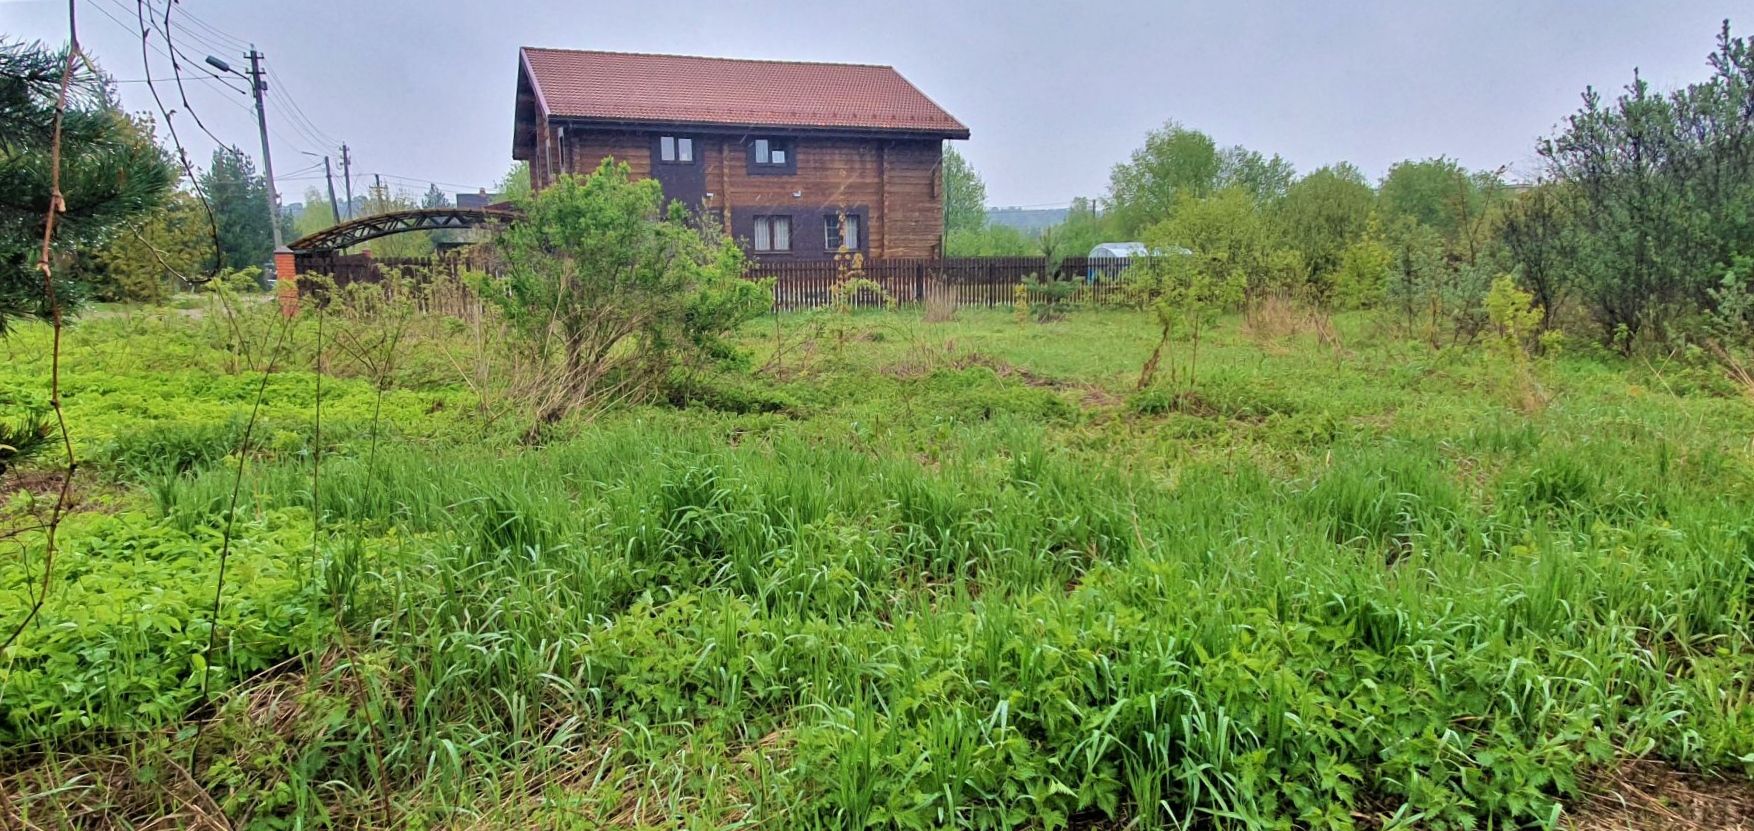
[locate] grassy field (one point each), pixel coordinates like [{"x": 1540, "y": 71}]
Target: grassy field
[{"x": 898, "y": 574}]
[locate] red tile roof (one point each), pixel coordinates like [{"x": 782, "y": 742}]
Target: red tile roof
[{"x": 620, "y": 86}]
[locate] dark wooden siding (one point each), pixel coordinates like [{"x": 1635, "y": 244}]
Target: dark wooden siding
[{"x": 893, "y": 183}]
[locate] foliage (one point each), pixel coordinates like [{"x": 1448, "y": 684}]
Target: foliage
[
  {"x": 435, "y": 198},
  {"x": 1433, "y": 294},
  {"x": 24, "y": 437},
  {"x": 121, "y": 648},
  {"x": 1050, "y": 300},
  {"x": 165, "y": 250},
  {"x": 1227, "y": 237},
  {"x": 515, "y": 185},
  {"x": 1731, "y": 319},
  {"x": 1516, "y": 324},
  {"x": 609, "y": 293},
  {"x": 407, "y": 245},
  {"x": 989, "y": 241},
  {"x": 965, "y": 195},
  {"x": 318, "y": 214},
  {"x": 1515, "y": 318},
  {"x": 1658, "y": 188},
  {"x": 1265, "y": 179},
  {"x": 1176, "y": 162},
  {"x": 1364, "y": 269},
  {"x": 957, "y": 576},
  {"x": 1227, "y": 253},
  {"x": 850, "y": 291},
  {"x": 1438, "y": 193},
  {"x": 239, "y": 198},
  {"x": 1321, "y": 216},
  {"x": 112, "y": 174},
  {"x": 1083, "y": 229},
  {"x": 1539, "y": 237}
]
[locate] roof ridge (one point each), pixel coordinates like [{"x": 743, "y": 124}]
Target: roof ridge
[{"x": 705, "y": 57}]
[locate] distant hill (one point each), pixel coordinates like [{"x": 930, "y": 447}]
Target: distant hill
[{"x": 1027, "y": 220}]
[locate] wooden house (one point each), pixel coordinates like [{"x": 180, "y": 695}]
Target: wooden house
[{"x": 795, "y": 160}]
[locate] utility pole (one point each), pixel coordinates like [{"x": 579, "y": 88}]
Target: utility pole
[
  {"x": 260, "y": 86},
  {"x": 257, "y": 87},
  {"x": 330, "y": 176},
  {"x": 347, "y": 177},
  {"x": 382, "y": 196}
]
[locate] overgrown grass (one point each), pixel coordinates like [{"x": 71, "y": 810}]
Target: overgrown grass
[{"x": 936, "y": 575}]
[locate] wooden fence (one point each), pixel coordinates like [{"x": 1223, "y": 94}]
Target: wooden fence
[
  {"x": 962, "y": 281},
  {"x": 436, "y": 284}
]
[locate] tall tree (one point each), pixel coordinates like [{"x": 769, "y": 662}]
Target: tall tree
[
  {"x": 1264, "y": 179},
  {"x": 317, "y": 214},
  {"x": 1322, "y": 214},
  {"x": 1660, "y": 189},
  {"x": 1226, "y": 237},
  {"x": 1174, "y": 162},
  {"x": 435, "y": 198},
  {"x": 1439, "y": 193},
  {"x": 965, "y": 195},
  {"x": 239, "y": 196},
  {"x": 112, "y": 173},
  {"x": 1536, "y": 230},
  {"x": 146, "y": 261}
]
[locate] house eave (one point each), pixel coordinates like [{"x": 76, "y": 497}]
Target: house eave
[{"x": 745, "y": 128}]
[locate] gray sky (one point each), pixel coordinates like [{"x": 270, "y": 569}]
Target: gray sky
[{"x": 1054, "y": 92}]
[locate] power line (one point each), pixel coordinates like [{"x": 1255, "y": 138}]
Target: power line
[
  {"x": 173, "y": 52},
  {"x": 423, "y": 181},
  {"x": 215, "y": 31},
  {"x": 135, "y": 31},
  {"x": 204, "y": 80},
  {"x": 284, "y": 94}
]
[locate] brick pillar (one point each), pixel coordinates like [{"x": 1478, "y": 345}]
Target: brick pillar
[{"x": 286, "y": 280}]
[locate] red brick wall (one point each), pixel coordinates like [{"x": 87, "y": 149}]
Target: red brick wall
[{"x": 286, "y": 281}]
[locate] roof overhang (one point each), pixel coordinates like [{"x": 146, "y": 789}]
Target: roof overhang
[
  {"x": 527, "y": 111},
  {"x": 729, "y": 129}
]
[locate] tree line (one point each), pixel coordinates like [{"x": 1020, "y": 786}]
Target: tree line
[{"x": 1638, "y": 227}]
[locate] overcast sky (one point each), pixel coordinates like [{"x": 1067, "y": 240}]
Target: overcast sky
[{"x": 1054, "y": 92}]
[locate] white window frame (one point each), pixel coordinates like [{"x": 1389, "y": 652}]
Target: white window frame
[
  {"x": 770, "y": 232},
  {"x": 835, "y": 231},
  {"x": 676, "y": 149},
  {"x": 771, "y": 153}
]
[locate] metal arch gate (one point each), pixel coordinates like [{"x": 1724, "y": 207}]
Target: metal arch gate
[
  {"x": 305, "y": 251},
  {"x": 367, "y": 228}
]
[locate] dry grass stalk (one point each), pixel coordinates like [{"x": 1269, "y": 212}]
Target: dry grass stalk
[{"x": 940, "y": 307}]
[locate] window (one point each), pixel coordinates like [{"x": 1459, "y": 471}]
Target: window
[
  {"x": 773, "y": 233},
  {"x": 835, "y": 232},
  {"x": 674, "y": 149},
  {"x": 770, "y": 156}
]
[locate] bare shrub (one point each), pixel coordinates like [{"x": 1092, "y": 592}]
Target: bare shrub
[
  {"x": 1273, "y": 316},
  {"x": 940, "y": 307}
]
